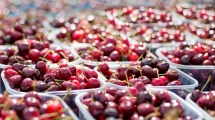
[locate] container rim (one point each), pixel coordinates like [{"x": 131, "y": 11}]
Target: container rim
[{"x": 180, "y": 66}]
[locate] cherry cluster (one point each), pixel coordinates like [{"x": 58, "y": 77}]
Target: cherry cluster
[
  {"x": 162, "y": 35},
  {"x": 141, "y": 15},
  {"x": 205, "y": 100},
  {"x": 44, "y": 78},
  {"x": 31, "y": 107},
  {"x": 198, "y": 54},
  {"x": 21, "y": 31},
  {"x": 208, "y": 32},
  {"x": 133, "y": 104},
  {"x": 146, "y": 73},
  {"x": 31, "y": 51},
  {"x": 196, "y": 13},
  {"x": 113, "y": 50}
]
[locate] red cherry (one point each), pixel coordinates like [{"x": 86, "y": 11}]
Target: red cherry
[
  {"x": 133, "y": 56},
  {"x": 53, "y": 106},
  {"x": 34, "y": 55},
  {"x": 55, "y": 57}
]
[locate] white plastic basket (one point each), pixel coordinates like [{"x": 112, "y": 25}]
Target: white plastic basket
[
  {"x": 188, "y": 82},
  {"x": 188, "y": 109},
  {"x": 205, "y": 114},
  {"x": 48, "y": 97},
  {"x": 13, "y": 91},
  {"x": 94, "y": 63}
]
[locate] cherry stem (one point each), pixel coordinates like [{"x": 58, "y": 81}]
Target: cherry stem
[
  {"x": 152, "y": 115},
  {"x": 68, "y": 92},
  {"x": 101, "y": 37},
  {"x": 140, "y": 58},
  {"x": 64, "y": 55},
  {"x": 49, "y": 115},
  {"x": 158, "y": 73},
  {"x": 209, "y": 79}
]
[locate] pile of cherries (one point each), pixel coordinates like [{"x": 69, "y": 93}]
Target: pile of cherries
[
  {"x": 205, "y": 100},
  {"x": 198, "y": 54},
  {"x": 112, "y": 49},
  {"x": 28, "y": 51},
  {"x": 141, "y": 15},
  {"x": 146, "y": 73},
  {"x": 44, "y": 78},
  {"x": 9, "y": 35},
  {"x": 162, "y": 35},
  {"x": 193, "y": 12},
  {"x": 133, "y": 104},
  {"x": 208, "y": 32},
  {"x": 31, "y": 107},
  {"x": 87, "y": 30}
]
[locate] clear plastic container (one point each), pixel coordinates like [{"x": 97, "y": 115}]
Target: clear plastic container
[
  {"x": 93, "y": 64},
  {"x": 199, "y": 72},
  {"x": 188, "y": 82},
  {"x": 188, "y": 109},
  {"x": 52, "y": 46},
  {"x": 46, "y": 97},
  {"x": 205, "y": 114},
  {"x": 2, "y": 66},
  {"x": 13, "y": 91},
  {"x": 154, "y": 46}
]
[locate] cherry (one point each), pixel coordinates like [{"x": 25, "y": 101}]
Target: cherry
[
  {"x": 68, "y": 85},
  {"x": 96, "y": 108},
  {"x": 185, "y": 59},
  {"x": 24, "y": 47},
  {"x": 27, "y": 84},
  {"x": 141, "y": 51},
  {"x": 133, "y": 56},
  {"x": 126, "y": 108},
  {"x": 174, "y": 83},
  {"x": 7, "y": 114},
  {"x": 172, "y": 75},
  {"x": 4, "y": 59},
  {"x": 162, "y": 66},
  {"x": 107, "y": 49},
  {"x": 28, "y": 72},
  {"x": 144, "y": 109},
  {"x": 195, "y": 95},
  {"x": 93, "y": 83},
  {"x": 17, "y": 66},
  {"x": 197, "y": 59},
  {"x": 55, "y": 57},
  {"x": 89, "y": 73},
  {"x": 18, "y": 107},
  {"x": 64, "y": 73},
  {"x": 111, "y": 112},
  {"x": 143, "y": 96},
  {"x": 15, "y": 81},
  {"x": 53, "y": 106},
  {"x": 100, "y": 96},
  {"x": 41, "y": 86},
  {"x": 147, "y": 71},
  {"x": 104, "y": 68},
  {"x": 30, "y": 112},
  {"x": 115, "y": 56},
  {"x": 161, "y": 96},
  {"x": 9, "y": 73},
  {"x": 158, "y": 82},
  {"x": 35, "y": 55},
  {"x": 148, "y": 61},
  {"x": 41, "y": 66},
  {"x": 32, "y": 102}
]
